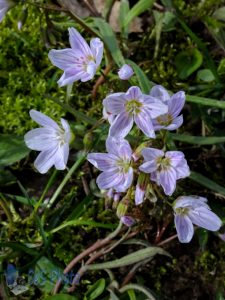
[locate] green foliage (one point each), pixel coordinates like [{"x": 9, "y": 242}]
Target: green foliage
[{"x": 24, "y": 75}]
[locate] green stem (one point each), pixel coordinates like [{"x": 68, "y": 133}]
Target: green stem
[
  {"x": 6, "y": 209},
  {"x": 66, "y": 179},
  {"x": 45, "y": 190},
  {"x": 137, "y": 287}
]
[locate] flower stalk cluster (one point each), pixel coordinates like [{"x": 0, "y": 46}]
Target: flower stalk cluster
[{"x": 127, "y": 174}]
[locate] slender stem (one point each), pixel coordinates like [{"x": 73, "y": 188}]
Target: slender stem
[
  {"x": 6, "y": 209},
  {"x": 48, "y": 7},
  {"x": 167, "y": 240},
  {"x": 133, "y": 286},
  {"x": 94, "y": 247},
  {"x": 49, "y": 183},
  {"x": 66, "y": 179}
]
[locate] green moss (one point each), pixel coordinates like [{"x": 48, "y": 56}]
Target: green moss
[{"x": 24, "y": 75}]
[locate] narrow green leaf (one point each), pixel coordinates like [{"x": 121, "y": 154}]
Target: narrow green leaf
[
  {"x": 21, "y": 199},
  {"x": 140, "y": 7},
  {"x": 95, "y": 290},
  {"x": 19, "y": 247},
  {"x": 61, "y": 297},
  {"x": 131, "y": 294},
  {"x": 12, "y": 149},
  {"x": 110, "y": 40},
  {"x": 80, "y": 208},
  {"x": 219, "y": 14},
  {"x": 206, "y": 182},
  {"x": 144, "y": 82},
  {"x": 129, "y": 259},
  {"x": 124, "y": 10},
  {"x": 200, "y": 140},
  {"x": 205, "y": 101},
  {"x": 83, "y": 223}
]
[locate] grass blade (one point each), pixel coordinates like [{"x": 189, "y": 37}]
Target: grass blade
[{"x": 199, "y": 140}]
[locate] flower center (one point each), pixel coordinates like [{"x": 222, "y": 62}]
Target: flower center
[
  {"x": 163, "y": 163},
  {"x": 124, "y": 165},
  {"x": 133, "y": 106},
  {"x": 165, "y": 120},
  {"x": 182, "y": 210},
  {"x": 61, "y": 137}
]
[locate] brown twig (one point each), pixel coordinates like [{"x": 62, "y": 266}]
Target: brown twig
[
  {"x": 167, "y": 240},
  {"x": 161, "y": 232},
  {"x": 100, "y": 80},
  {"x": 98, "y": 244}
]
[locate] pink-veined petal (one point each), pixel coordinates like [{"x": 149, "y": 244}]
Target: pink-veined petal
[
  {"x": 109, "y": 179},
  {"x": 176, "y": 123},
  {"x": 148, "y": 166},
  {"x": 97, "y": 50},
  {"x": 168, "y": 180},
  {"x": 143, "y": 121},
  {"x": 77, "y": 42},
  {"x": 151, "y": 153},
  {"x": 126, "y": 181},
  {"x": 103, "y": 161},
  {"x": 63, "y": 59},
  {"x": 184, "y": 227},
  {"x": 205, "y": 218},
  {"x": 42, "y": 119},
  {"x": 71, "y": 75},
  {"x": 115, "y": 103},
  {"x": 176, "y": 103},
  {"x": 122, "y": 125},
  {"x": 119, "y": 147},
  {"x": 61, "y": 157},
  {"x": 40, "y": 139},
  {"x": 45, "y": 160},
  {"x": 133, "y": 93},
  {"x": 160, "y": 93}
]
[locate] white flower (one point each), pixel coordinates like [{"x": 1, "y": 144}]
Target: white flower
[{"x": 51, "y": 139}]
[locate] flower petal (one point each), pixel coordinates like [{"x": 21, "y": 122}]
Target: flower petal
[
  {"x": 176, "y": 103},
  {"x": 97, "y": 50},
  {"x": 109, "y": 179},
  {"x": 43, "y": 120},
  {"x": 183, "y": 169},
  {"x": 168, "y": 180},
  {"x": 103, "y": 161},
  {"x": 205, "y": 218},
  {"x": 139, "y": 195},
  {"x": 184, "y": 227},
  {"x": 126, "y": 181},
  {"x": 152, "y": 153},
  {"x": 71, "y": 75},
  {"x": 143, "y": 121},
  {"x": 160, "y": 93},
  {"x": 66, "y": 127},
  {"x": 190, "y": 201},
  {"x": 149, "y": 166},
  {"x": 122, "y": 125},
  {"x": 156, "y": 108},
  {"x": 176, "y": 157},
  {"x": 133, "y": 93},
  {"x": 115, "y": 103},
  {"x": 119, "y": 147},
  {"x": 63, "y": 59},
  {"x": 77, "y": 42},
  {"x": 61, "y": 157},
  {"x": 40, "y": 139},
  {"x": 176, "y": 123},
  {"x": 45, "y": 160}
]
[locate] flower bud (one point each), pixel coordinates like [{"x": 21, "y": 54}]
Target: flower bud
[
  {"x": 125, "y": 72},
  {"x": 143, "y": 180},
  {"x": 127, "y": 220}
]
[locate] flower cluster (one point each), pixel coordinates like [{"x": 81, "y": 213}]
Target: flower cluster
[{"x": 123, "y": 170}]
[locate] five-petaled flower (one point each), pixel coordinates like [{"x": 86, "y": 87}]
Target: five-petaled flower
[
  {"x": 165, "y": 168},
  {"x": 116, "y": 165},
  {"x": 79, "y": 62},
  {"x": 170, "y": 120},
  {"x": 130, "y": 107},
  {"x": 125, "y": 72},
  {"x": 51, "y": 139},
  {"x": 191, "y": 210},
  {"x": 5, "y": 5}
]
